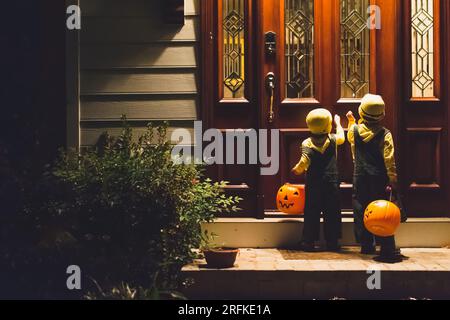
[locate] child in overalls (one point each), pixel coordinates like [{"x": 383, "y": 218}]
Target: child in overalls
[
  {"x": 373, "y": 153},
  {"x": 319, "y": 161}
]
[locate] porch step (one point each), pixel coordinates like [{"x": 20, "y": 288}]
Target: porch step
[
  {"x": 286, "y": 232},
  {"x": 284, "y": 274}
]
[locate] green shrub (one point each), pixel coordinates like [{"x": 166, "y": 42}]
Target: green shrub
[{"x": 124, "y": 212}]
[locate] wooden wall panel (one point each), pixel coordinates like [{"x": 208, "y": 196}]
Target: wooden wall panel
[
  {"x": 136, "y": 30},
  {"x": 134, "y": 8},
  {"x": 133, "y": 63},
  {"x": 139, "y": 108},
  {"x": 241, "y": 178},
  {"x": 424, "y": 163},
  {"x": 134, "y": 82},
  {"x": 138, "y": 56},
  {"x": 91, "y": 133}
]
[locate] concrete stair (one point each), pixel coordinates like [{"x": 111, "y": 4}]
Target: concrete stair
[
  {"x": 284, "y": 274},
  {"x": 286, "y": 232}
]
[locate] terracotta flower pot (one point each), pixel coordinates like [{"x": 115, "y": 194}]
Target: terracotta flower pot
[{"x": 221, "y": 257}]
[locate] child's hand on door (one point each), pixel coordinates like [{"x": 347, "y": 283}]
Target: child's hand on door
[
  {"x": 337, "y": 120},
  {"x": 351, "y": 117}
]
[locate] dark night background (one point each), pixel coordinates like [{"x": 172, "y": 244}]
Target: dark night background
[
  {"x": 33, "y": 83},
  {"x": 33, "y": 115}
]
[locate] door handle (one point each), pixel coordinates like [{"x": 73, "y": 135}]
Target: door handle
[{"x": 270, "y": 85}]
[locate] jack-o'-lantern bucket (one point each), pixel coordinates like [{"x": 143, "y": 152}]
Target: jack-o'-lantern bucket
[
  {"x": 382, "y": 218},
  {"x": 291, "y": 199}
]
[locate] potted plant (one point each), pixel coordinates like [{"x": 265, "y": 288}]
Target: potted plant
[{"x": 218, "y": 257}]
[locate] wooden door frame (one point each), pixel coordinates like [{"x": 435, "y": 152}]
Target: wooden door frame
[
  {"x": 210, "y": 101},
  {"x": 393, "y": 43},
  {"x": 206, "y": 53},
  {"x": 208, "y": 81},
  {"x": 432, "y": 128}
]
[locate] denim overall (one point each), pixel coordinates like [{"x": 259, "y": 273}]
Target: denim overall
[
  {"x": 322, "y": 195},
  {"x": 370, "y": 181}
]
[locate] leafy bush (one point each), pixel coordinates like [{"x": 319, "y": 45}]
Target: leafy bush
[{"x": 124, "y": 212}]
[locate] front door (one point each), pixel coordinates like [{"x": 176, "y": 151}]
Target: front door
[{"x": 267, "y": 63}]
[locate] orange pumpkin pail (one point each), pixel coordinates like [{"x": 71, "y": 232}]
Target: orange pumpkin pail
[
  {"x": 382, "y": 218},
  {"x": 291, "y": 199}
]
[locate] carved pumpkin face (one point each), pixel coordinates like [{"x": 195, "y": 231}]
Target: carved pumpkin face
[
  {"x": 382, "y": 218},
  {"x": 291, "y": 199}
]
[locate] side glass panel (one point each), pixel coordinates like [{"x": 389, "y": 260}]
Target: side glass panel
[
  {"x": 422, "y": 36},
  {"x": 234, "y": 35},
  {"x": 355, "y": 48},
  {"x": 299, "y": 50}
]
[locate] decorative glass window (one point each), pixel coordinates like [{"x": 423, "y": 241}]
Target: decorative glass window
[
  {"x": 234, "y": 48},
  {"x": 422, "y": 32},
  {"x": 355, "y": 48},
  {"x": 299, "y": 52}
]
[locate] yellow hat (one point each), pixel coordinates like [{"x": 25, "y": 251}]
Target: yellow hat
[
  {"x": 319, "y": 121},
  {"x": 372, "y": 108}
]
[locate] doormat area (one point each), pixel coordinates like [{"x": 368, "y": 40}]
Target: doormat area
[{"x": 345, "y": 254}]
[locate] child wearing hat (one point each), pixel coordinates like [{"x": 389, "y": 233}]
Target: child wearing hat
[
  {"x": 375, "y": 169},
  {"x": 319, "y": 161}
]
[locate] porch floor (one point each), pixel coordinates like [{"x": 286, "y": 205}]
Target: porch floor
[{"x": 286, "y": 274}]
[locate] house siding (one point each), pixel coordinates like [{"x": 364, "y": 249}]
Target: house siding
[{"x": 132, "y": 63}]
